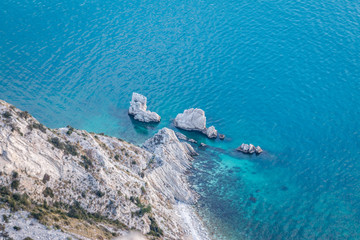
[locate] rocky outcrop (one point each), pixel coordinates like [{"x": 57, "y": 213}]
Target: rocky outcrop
[
  {"x": 133, "y": 187},
  {"x": 174, "y": 158},
  {"x": 194, "y": 119},
  {"x": 138, "y": 109},
  {"x": 249, "y": 149}
]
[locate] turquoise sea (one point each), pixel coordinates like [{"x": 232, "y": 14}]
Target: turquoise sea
[{"x": 281, "y": 74}]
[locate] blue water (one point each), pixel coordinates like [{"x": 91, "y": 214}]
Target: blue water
[{"x": 284, "y": 75}]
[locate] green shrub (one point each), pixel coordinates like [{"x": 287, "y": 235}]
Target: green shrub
[
  {"x": 5, "y": 218},
  {"x": 117, "y": 157},
  {"x": 39, "y": 126},
  {"x": 15, "y": 174},
  {"x": 46, "y": 178},
  {"x": 87, "y": 163},
  {"x": 70, "y": 130},
  {"x": 48, "y": 192},
  {"x": 99, "y": 193},
  {"x": 17, "y": 228},
  {"x": 70, "y": 149},
  {"x": 7, "y": 114},
  {"x": 28, "y": 238},
  {"x": 154, "y": 228},
  {"x": 24, "y": 114},
  {"x": 15, "y": 184}
]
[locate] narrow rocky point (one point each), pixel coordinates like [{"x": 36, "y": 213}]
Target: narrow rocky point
[
  {"x": 138, "y": 109},
  {"x": 92, "y": 186}
]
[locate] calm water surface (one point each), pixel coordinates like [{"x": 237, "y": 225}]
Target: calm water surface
[{"x": 284, "y": 75}]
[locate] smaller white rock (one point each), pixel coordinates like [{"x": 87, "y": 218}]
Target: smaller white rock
[
  {"x": 138, "y": 109},
  {"x": 211, "y": 132}
]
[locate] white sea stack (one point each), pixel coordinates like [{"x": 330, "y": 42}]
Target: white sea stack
[
  {"x": 138, "y": 109},
  {"x": 194, "y": 119}
]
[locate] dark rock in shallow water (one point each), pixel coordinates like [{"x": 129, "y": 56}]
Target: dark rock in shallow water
[
  {"x": 222, "y": 136},
  {"x": 249, "y": 149},
  {"x": 252, "y": 199},
  {"x": 203, "y": 145},
  {"x": 284, "y": 188}
]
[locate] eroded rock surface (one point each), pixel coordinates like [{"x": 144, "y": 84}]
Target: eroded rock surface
[
  {"x": 194, "y": 119},
  {"x": 137, "y": 187},
  {"x": 138, "y": 109},
  {"x": 249, "y": 149}
]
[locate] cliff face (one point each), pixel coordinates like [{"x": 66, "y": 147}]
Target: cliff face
[{"x": 119, "y": 186}]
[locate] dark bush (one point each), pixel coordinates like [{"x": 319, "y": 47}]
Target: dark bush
[
  {"x": 39, "y": 126},
  {"x": 7, "y": 114},
  {"x": 15, "y": 174},
  {"x": 28, "y": 238},
  {"x": 117, "y": 157},
  {"x": 154, "y": 228},
  {"x": 87, "y": 163},
  {"x": 70, "y": 149},
  {"x": 15, "y": 184},
  {"x": 24, "y": 114},
  {"x": 46, "y": 178},
  {"x": 57, "y": 143},
  {"x": 5, "y": 218},
  {"x": 99, "y": 193},
  {"x": 17, "y": 228},
  {"x": 70, "y": 130},
  {"x": 48, "y": 192}
]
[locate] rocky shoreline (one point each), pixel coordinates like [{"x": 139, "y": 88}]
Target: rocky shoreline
[{"x": 94, "y": 186}]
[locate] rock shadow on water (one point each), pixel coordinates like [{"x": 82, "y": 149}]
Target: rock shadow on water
[{"x": 142, "y": 127}]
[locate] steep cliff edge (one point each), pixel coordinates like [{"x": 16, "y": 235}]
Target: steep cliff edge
[{"x": 91, "y": 185}]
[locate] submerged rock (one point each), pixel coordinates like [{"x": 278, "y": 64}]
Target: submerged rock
[
  {"x": 138, "y": 109},
  {"x": 181, "y": 136},
  {"x": 221, "y": 136},
  {"x": 249, "y": 149},
  {"x": 194, "y": 119}
]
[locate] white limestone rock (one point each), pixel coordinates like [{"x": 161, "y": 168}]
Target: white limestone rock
[
  {"x": 100, "y": 172},
  {"x": 249, "y": 149},
  {"x": 211, "y": 132},
  {"x": 138, "y": 109},
  {"x": 172, "y": 159},
  {"x": 194, "y": 119}
]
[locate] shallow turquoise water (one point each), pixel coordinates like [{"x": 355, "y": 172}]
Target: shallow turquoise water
[{"x": 284, "y": 75}]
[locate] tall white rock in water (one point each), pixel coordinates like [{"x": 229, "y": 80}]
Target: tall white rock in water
[
  {"x": 194, "y": 119},
  {"x": 138, "y": 109}
]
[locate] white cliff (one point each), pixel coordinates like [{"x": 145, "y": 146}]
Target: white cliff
[
  {"x": 138, "y": 109},
  {"x": 65, "y": 177}
]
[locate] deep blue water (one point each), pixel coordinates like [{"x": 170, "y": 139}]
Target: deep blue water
[{"x": 281, "y": 74}]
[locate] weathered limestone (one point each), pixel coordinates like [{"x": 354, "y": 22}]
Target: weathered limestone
[
  {"x": 174, "y": 158},
  {"x": 194, "y": 119},
  {"x": 138, "y": 109},
  {"x": 249, "y": 149},
  {"x": 103, "y": 174}
]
